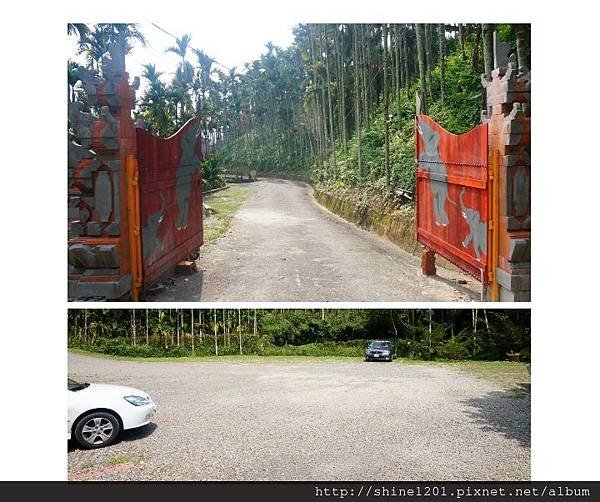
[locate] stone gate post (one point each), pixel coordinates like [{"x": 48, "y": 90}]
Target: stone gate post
[
  {"x": 98, "y": 146},
  {"x": 509, "y": 126}
]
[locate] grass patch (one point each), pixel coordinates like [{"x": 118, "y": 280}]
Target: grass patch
[
  {"x": 511, "y": 375},
  {"x": 88, "y": 465},
  {"x": 124, "y": 459},
  {"x": 225, "y": 203}
]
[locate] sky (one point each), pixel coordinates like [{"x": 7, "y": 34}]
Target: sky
[{"x": 231, "y": 44}]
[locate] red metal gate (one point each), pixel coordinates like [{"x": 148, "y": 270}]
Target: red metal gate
[
  {"x": 452, "y": 194},
  {"x": 170, "y": 195}
]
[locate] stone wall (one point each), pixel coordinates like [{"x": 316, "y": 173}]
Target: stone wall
[{"x": 395, "y": 224}]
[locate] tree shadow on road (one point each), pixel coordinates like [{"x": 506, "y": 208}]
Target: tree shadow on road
[
  {"x": 285, "y": 181},
  {"x": 506, "y": 412}
]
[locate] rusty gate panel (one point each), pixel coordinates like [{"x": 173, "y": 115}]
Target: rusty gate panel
[
  {"x": 170, "y": 194},
  {"x": 452, "y": 194}
]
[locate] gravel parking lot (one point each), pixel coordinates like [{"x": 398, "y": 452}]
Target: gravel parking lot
[{"x": 295, "y": 419}]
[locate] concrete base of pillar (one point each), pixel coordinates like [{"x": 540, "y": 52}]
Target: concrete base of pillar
[{"x": 109, "y": 290}]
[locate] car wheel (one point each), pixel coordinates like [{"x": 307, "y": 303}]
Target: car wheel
[{"x": 97, "y": 429}]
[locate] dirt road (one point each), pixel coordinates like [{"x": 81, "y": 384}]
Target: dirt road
[
  {"x": 310, "y": 419},
  {"x": 283, "y": 246}
]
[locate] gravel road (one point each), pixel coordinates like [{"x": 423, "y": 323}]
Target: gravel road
[
  {"x": 291, "y": 419},
  {"x": 283, "y": 246}
]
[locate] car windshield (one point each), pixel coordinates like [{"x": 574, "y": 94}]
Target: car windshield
[
  {"x": 379, "y": 345},
  {"x": 75, "y": 386}
]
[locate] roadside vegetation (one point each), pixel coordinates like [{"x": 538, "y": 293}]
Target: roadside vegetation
[
  {"x": 222, "y": 204},
  {"x": 421, "y": 334}
]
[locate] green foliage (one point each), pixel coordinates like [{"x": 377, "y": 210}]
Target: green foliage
[
  {"x": 282, "y": 123},
  {"x": 458, "y": 113},
  {"x": 352, "y": 348},
  {"x": 463, "y": 93},
  {"x": 211, "y": 174},
  {"x": 314, "y": 332},
  {"x": 119, "y": 347},
  {"x": 507, "y": 34},
  {"x": 453, "y": 350},
  {"x": 225, "y": 204}
]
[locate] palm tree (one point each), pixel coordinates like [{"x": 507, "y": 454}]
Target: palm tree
[
  {"x": 80, "y": 30},
  {"x": 215, "y": 330},
  {"x": 386, "y": 106},
  {"x": 183, "y": 76},
  {"x": 180, "y": 100},
  {"x": 421, "y": 57},
  {"x": 231, "y": 104},
  {"x": 94, "y": 43},
  {"x": 357, "y": 85},
  {"x": 150, "y": 74},
  {"x": 442, "y": 57},
  {"x": 163, "y": 327},
  {"x": 94, "y": 47},
  {"x": 203, "y": 82},
  {"x": 185, "y": 71},
  {"x": 153, "y": 105},
  {"x": 205, "y": 63},
  {"x": 192, "y": 332},
  {"x": 123, "y": 31}
]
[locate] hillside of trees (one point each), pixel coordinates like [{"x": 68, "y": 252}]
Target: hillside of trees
[
  {"x": 419, "y": 333},
  {"x": 336, "y": 106}
]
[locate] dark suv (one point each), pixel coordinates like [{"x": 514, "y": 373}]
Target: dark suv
[{"x": 380, "y": 350}]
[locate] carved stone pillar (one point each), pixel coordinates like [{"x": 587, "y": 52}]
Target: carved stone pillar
[
  {"x": 509, "y": 125},
  {"x": 98, "y": 249}
]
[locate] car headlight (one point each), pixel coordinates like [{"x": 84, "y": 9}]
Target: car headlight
[
  {"x": 137, "y": 400},
  {"x": 386, "y": 352}
]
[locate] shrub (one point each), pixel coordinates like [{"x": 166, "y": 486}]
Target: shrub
[{"x": 453, "y": 349}]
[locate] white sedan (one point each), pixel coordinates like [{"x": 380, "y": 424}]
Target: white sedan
[{"x": 99, "y": 412}]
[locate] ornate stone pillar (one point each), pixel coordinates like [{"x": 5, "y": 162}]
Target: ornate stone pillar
[
  {"x": 98, "y": 249},
  {"x": 509, "y": 125}
]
